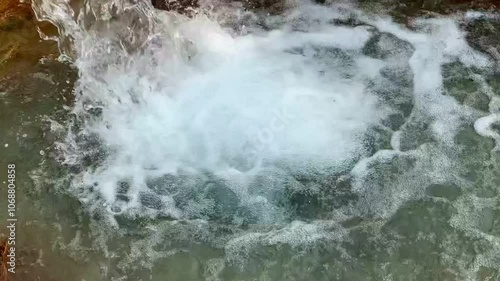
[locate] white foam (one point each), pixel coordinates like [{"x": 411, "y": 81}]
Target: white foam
[
  {"x": 195, "y": 96},
  {"x": 483, "y": 126},
  {"x": 439, "y": 42},
  {"x": 442, "y": 43},
  {"x": 236, "y": 104}
]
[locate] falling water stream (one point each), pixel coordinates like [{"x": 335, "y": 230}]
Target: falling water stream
[{"x": 324, "y": 142}]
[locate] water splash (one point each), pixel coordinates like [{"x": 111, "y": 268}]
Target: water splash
[
  {"x": 321, "y": 114},
  {"x": 193, "y": 98}
]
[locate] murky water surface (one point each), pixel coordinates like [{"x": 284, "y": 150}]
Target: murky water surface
[{"x": 325, "y": 142}]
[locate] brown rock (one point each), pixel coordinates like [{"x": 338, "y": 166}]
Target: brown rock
[
  {"x": 4, "y": 275},
  {"x": 185, "y": 6},
  {"x": 13, "y": 14},
  {"x": 181, "y": 6},
  {"x": 20, "y": 44},
  {"x": 447, "y": 6},
  {"x": 271, "y": 6}
]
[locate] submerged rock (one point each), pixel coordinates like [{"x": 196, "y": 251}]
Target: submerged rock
[{"x": 448, "y": 191}]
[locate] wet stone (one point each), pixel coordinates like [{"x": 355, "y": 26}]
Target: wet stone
[
  {"x": 422, "y": 216},
  {"x": 475, "y": 151},
  {"x": 494, "y": 82},
  {"x": 350, "y": 21},
  {"x": 448, "y": 191},
  {"x": 123, "y": 197},
  {"x": 187, "y": 190},
  {"x": 483, "y": 190},
  {"x": 379, "y": 139},
  {"x": 93, "y": 153},
  {"x": 352, "y": 222},
  {"x": 394, "y": 94},
  {"x": 311, "y": 202},
  {"x": 478, "y": 101},
  {"x": 131, "y": 224},
  {"x": 274, "y": 187},
  {"x": 116, "y": 208},
  {"x": 483, "y": 35},
  {"x": 318, "y": 198},
  {"x": 496, "y": 127},
  {"x": 486, "y": 220},
  {"x": 328, "y": 58},
  {"x": 164, "y": 185},
  {"x": 95, "y": 111},
  {"x": 415, "y": 133},
  {"x": 181, "y": 6},
  {"x": 486, "y": 274},
  {"x": 495, "y": 226},
  {"x": 394, "y": 121},
  {"x": 275, "y": 196},
  {"x": 459, "y": 84},
  {"x": 75, "y": 169},
  {"x": 384, "y": 179},
  {"x": 123, "y": 187},
  {"x": 385, "y": 45},
  {"x": 270, "y": 6},
  {"x": 225, "y": 199},
  {"x": 401, "y": 75},
  {"x": 151, "y": 200}
]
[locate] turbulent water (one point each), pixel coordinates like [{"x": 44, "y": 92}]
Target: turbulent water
[{"x": 323, "y": 143}]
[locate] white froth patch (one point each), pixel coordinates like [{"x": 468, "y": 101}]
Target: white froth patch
[
  {"x": 296, "y": 234},
  {"x": 390, "y": 178},
  {"x": 483, "y": 127},
  {"x": 200, "y": 98},
  {"x": 475, "y": 15},
  {"x": 441, "y": 42},
  {"x": 237, "y": 104}
]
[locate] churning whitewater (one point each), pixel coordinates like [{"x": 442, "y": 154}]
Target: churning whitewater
[
  {"x": 198, "y": 101},
  {"x": 297, "y": 121},
  {"x": 195, "y": 107}
]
